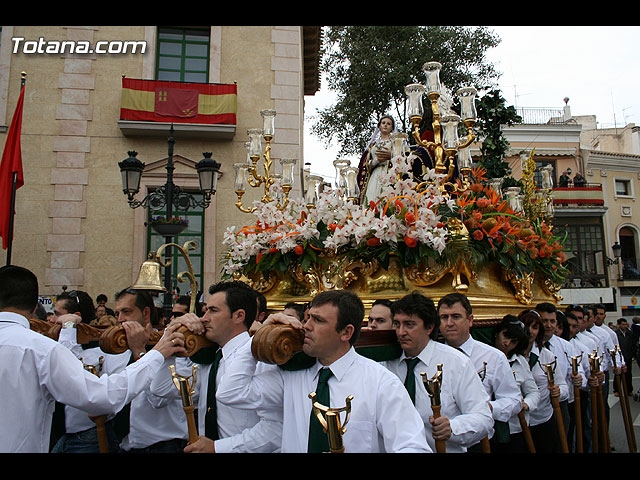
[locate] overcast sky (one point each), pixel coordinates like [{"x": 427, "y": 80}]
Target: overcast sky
[{"x": 598, "y": 68}]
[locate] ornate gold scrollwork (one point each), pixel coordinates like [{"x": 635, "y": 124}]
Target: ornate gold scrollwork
[
  {"x": 522, "y": 286},
  {"x": 552, "y": 289}
]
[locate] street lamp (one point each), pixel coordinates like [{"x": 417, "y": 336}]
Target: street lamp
[{"x": 169, "y": 195}]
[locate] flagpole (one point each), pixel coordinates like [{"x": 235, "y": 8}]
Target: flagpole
[{"x": 14, "y": 180}]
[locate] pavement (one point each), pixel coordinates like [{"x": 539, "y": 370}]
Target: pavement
[{"x": 617, "y": 431}]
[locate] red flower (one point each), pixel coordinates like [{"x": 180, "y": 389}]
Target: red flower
[
  {"x": 478, "y": 235},
  {"x": 483, "y": 202},
  {"x": 440, "y": 225},
  {"x": 299, "y": 250},
  {"x": 273, "y": 250},
  {"x": 333, "y": 226},
  {"x": 258, "y": 257},
  {"x": 373, "y": 242},
  {"x": 410, "y": 218},
  {"x": 410, "y": 242}
]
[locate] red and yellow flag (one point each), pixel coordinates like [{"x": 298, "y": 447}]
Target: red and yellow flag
[{"x": 162, "y": 101}]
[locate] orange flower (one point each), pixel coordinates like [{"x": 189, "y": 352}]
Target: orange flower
[
  {"x": 299, "y": 250},
  {"x": 483, "y": 202},
  {"x": 410, "y": 218},
  {"x": 333, "y": 226},
  {"x": 373, "y": 242},
  {"x": 273, "y": 250},
  {"x": 410, "y": 242}
]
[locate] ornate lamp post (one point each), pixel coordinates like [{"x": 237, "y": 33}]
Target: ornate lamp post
[{"x": 169, "y": 196}]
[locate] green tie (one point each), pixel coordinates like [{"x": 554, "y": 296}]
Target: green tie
[
  {"x": 211, "y": 417},
  {"x": 410, "y": 380},
  {"x": 318, "y": 440},
  {"x": 547, "y": 344},
  {"x": 533, "y": 359}
]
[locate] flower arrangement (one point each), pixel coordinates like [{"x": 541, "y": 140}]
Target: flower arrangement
[
  {"x": 404, "y": 221},
  {"x": 498, "y": 233}
]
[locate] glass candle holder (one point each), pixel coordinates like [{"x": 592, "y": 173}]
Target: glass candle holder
[
  {"x": 288, "y": 168},
  {"x": 414, "y": 92},
  {"x": 351, "y": 179},
  {"x": 339, "y": 164},
  {"x": 255, "y": 143},
  {"x": 432, "y": 73},
  {"x": 464, "y": 159},
  {"x": 241, "y": 176},
  {"x": 467, "y": 97},
  {"x": 268, "y": 121},
  {"x": 398, "y": 143},
  {"x": 449, "y": 125}
]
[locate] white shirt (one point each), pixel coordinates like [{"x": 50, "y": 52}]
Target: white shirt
[
  {"x": 544, "y": 411},
  {"x": 595, "y": 344},
  {"x": 463, "y": 399},
  {"x": 36, "y": 371},
  {"x": 383, "y": 418},
  {"x": 608, "y": 345},
  {"x": 563, "y": 350},
  {"x": 240, "y": 430},
  {"x": 496, "y": 377},
  {"x": 77, "y": 420},
  {"x": 152, "y": 422},
  {"x": 528, "y": 389}
]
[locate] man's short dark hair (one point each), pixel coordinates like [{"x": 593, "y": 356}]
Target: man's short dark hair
[
  {"x": 452, "y": 298},
  {"x": 101, "y": 298},
  {"x": 422, "y": 307},
  {"x": 599, "y": 306},
  {"x": 238, "y": 296},
  {"x": 79, "y": 301},
  {"x": 382, "y": 301},
  {"x": 574, "y": 308},
  {"x": 143, "y": 299},
  {"x": 18, "y": 288},
  {"x": 546, "y": 307},
  {"x": 262, "y": 303},
  {"x": 350, "y": 309},
  {"x": 620, "y": 320},
  {"x": 184, "y": 300},
  {"x": 298, "y": 307}
]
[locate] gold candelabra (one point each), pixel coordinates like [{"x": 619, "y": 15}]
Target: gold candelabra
[
  {"x": 537, "y": 202},
  {"x": 446, "y": 149},
  {"x": 247, "y": 172}
]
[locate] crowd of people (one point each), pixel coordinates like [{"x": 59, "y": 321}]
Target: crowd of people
[{"x": 513, "y": 391}]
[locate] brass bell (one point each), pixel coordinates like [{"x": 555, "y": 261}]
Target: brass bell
[{"x": 149, "y": 276}]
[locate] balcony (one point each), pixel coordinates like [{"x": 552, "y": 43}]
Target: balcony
[
  {"x": 577, "y": 201},
  {"x": 199, "y": 110}
]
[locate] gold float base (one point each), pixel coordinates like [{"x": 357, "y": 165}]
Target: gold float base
[{"x": 493, "y": 292}]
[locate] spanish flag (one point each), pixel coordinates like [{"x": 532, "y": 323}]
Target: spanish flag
[{"x": 161, "y": 101}]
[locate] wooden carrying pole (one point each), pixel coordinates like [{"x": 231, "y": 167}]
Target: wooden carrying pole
[
  {"x": 526, "y": 432},
  {"x": 624, "y": 401},
  {"x": 99, "y": 420},
  {"x": 577, "y": 407},
  {"x": 433, "y": 387},
  {"x": 557, "y": 413}
]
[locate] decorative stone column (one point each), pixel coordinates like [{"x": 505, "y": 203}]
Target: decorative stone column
[{"x": 69, "y": 177}]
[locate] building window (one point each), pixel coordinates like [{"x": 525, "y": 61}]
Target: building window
[
  {"x": 623, "y": 187},
  {"x": 585, "y": 254},
  {"x": 195, "y": 232},
  {"x": 183, "y": 54}
]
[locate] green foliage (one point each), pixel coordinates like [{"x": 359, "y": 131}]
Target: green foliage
[
  {"x": 369, "y": 66},
  {"x": 492, "y": 114}
]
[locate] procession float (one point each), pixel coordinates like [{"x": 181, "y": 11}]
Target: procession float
[{"x": 449, "y": 228}]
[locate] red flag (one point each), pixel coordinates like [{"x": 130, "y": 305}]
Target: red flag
[{"x": 11, "y": 163}]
